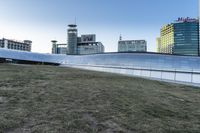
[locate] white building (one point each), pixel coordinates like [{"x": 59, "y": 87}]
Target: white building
[
  {"x": 92, "y": 48},
  {"x": 84, "y": 44},
  {"x": 58, "y": 48},
  {"x": 78, "y": 45},
  {"x": 16, "y": 45},
  {"x": 87, "y": 45},
  {"x": 132, "y": 46}
]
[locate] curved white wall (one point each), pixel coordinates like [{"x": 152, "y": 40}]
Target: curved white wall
[{"x": 185, "y": 69}]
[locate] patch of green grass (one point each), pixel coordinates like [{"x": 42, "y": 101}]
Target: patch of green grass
[{"x": 55, "y": 99}]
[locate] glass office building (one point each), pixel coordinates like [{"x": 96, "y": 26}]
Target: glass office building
[
  {"x": 180, "y": 37},
  {"x": 186, "y": 38}
]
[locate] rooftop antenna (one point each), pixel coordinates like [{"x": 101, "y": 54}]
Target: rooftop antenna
[
  {"x": 198, "y": 9},
  {"x": 75, "y": 21}
]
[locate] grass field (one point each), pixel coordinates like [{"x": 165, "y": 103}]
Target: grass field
[{"x": 64, "y": 100}]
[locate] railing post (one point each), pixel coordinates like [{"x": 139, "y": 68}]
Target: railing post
[
  {"x": 150, "y": 71},
  {"x": 192, "y": 75},
  {"x": 175, "y": 75}
]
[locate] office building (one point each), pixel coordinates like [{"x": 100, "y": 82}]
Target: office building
[
  {"x": 132, "y": 45},
  {"x": 16, "y": 45},
  {"x": 186, "y": 37},
  {"x": 86, "y": 44},
  {"x": 166, "y": 39},
  {"x": 58, "y": 48},
  {"x": 90, "y": 48},
  {"x": 180, "y": 37},
  {"x": 72, "y": 33}
]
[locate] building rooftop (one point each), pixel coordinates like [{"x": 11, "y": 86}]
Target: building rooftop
[
  {"x": 72, "y": 25},
  {"x": 18, "y": 41}
]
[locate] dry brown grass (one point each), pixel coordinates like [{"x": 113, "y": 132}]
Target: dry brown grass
[{"x": 55, "y": 99}]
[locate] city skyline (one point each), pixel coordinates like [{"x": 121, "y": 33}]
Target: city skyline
[{"x": 43, "y": 21}]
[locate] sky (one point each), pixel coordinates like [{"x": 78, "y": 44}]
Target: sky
[{"x": 44, "y": 20}]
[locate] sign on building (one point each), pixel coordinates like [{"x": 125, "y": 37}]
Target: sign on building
[{"x": 88, "y": 38}]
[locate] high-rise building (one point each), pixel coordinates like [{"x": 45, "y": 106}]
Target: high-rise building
[
  {"x": 166, "y": 39},
  {"x": 132, "y": 45},
  {"x": 86, "y": 44},
  {"x": 180, "y": 37},
  {"x": 186, "y": 37},
  {"x": 58, "y": 48},
  {"x": 72, "y": 33},
  {"x": 16, "y": 45}
]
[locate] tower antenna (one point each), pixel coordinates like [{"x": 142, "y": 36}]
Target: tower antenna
[{"x": 75, "y": 21}]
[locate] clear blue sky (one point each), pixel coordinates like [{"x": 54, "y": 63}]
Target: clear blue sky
[{"x": 44, "y": 20}]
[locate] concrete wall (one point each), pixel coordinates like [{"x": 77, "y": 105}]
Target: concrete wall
[{"x": 190, "y": 78}]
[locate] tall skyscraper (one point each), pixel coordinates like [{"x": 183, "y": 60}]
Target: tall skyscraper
[
  {"x": 166, "y": 39},
  {"x": 76, "y": 45},
  {"x": 72, "y": 39},
  {"x": 186, "y": 37},
  {"x": 180, "y": 37}
]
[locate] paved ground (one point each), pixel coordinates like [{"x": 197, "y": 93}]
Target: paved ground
[{"x": 53, "y": 99}]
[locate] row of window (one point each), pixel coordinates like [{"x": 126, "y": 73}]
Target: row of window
[{"x": 17, "y": 47}]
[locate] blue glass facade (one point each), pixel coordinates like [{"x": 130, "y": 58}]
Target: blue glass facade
[{"x": 186, "y": 38}]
